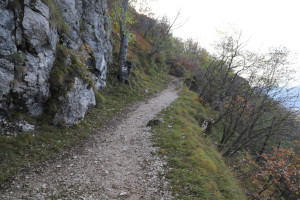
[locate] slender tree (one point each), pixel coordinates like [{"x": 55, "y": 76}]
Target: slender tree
[
  {"x": 246, "y": 109},
  {"x": 162, "y": 32},
  {"x": 121, "y": 17}
]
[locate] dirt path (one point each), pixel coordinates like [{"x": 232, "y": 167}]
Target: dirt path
[{"x": 119, "y": 162}]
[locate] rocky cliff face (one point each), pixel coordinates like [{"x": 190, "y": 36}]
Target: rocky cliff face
[{"x": 30, "y": 31}]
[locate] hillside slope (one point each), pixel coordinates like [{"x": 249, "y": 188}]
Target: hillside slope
[
  {"x": 197, "y": 170},
  {"x": 119, "y": 160},
  {"x": 111, "y": 148}
]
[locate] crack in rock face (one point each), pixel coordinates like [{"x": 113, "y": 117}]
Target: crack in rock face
[
  {"x": 29, "y": 36},
  {"x": 117, "y": 162}
]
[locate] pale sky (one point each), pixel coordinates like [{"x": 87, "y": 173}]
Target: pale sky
[{"x": 267, "y": 23}]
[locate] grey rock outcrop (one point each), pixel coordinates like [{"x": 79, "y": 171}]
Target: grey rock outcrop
[
  {"x": 7, "y": 26},
  {"x": 80, "y": 15},
  {"x": 75, "y": 104},
  {"x": 28, "y": 40}
]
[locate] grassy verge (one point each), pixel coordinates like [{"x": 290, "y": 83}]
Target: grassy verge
[
  {"x": 30, "y": 149},
  {"x": 197, "y": 170}
]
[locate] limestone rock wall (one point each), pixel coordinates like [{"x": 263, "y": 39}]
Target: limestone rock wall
[{"x": 29, "y": 35}]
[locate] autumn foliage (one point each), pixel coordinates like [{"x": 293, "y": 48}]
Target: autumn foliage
[
  {"x": 274, "y": 176},
  {"x": 240, "y": 107}
]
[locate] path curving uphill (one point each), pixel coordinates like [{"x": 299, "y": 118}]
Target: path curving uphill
[{"x": 118, "y": 162}]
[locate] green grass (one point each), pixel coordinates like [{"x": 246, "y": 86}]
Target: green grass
[
  {"x": 56, "y": 17},
  {"x": 198, "y": 171},
  {"x": 63, "y": 74},
  {"x": 30, "y": 149}
]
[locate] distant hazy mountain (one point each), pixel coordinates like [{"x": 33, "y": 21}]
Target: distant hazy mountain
[
  {"x": 296, "y": 92},
  {"x": 293, "y": 93}
]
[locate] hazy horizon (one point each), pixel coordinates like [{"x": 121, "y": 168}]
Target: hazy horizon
[{"x": 268, "y": 23}]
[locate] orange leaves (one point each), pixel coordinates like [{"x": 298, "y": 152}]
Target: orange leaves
[
  {"x": 239, "y": 105},
  {"x": 272, "y": 174},
  {"x": 188, "y": 63},
  {"x": 199, "y": 99},
  {"x": 143, "y": 43},
  {"x": 283, "y": 166}
]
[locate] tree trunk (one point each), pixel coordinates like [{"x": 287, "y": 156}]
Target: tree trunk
[
  {"x": 263, "y": 148},
  {"x": 124, "y": 42},
  {"x": 145, "y": 34},
  {"x": 123, "y": 56},
  {"x": 191, "y": 81},
  {"x": 266, "y": 186},
  {"x": 158, "y": 44}
]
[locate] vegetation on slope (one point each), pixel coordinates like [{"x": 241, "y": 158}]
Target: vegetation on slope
[
  {"x": 47, "y": 141},
  {"x": 249, "y": 111},
  {"x": 247, "y": 120},
  {"x": 196, "y": 169}
]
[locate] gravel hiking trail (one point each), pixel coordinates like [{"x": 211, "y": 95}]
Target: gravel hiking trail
[{"x": 119, "y": 161}]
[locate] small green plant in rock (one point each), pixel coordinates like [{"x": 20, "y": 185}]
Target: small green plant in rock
[
  {"x": 56, "y": 18},
  {"x": 100, "y": 99},
  {"x": 18, "y": 58},
  {"x": 66, "y": 67},
  {"x": 82, "y": 26}
]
